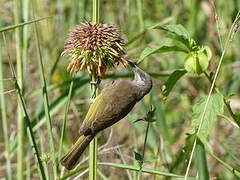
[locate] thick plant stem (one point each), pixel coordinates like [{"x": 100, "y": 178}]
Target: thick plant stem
[
  {"x": 93, "y": 144},
  {"x": 20, "y": 123}
]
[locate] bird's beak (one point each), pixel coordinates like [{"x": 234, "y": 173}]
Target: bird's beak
[{"x": 131, "y": 64}]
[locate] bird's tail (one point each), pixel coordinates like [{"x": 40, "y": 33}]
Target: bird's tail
[{"x": 69, "y": 161}]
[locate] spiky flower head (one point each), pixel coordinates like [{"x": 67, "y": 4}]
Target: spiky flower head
[{"x": 94, "y": 47}]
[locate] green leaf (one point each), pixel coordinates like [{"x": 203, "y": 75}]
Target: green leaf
[
  {"x": 162, "y": 49},
  {"x": 137, "y": 120},
  {"x": 207, "y": 51},
  {"x": 138, "y": 157},
  {"x": 171, "y": 81},
  {"x": 215, "y": 107},
  {"x": 179, "y": 33},
  {"x": 176, "y": 29},
  {"x": 237, "y": 118}
]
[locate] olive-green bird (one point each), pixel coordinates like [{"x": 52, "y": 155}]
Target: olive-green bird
[{"x": 114, "y": 103}]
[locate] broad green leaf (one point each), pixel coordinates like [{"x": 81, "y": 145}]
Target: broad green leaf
[
  {"x": 214, "y": 107},
  {"x": 171, "y": 81},
  {"x": 162, "y": 49},
  {"x": 178, "y": 30},
  {"x": 179, "y": 33}
]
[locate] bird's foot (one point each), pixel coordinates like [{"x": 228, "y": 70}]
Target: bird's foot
[{"x": 96, "y": 83}]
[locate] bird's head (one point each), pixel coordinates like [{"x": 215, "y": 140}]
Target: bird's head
[{"x": 141, "y": 79}]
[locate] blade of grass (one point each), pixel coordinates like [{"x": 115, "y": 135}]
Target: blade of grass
[
  {"x": 72, "y": 173},
  {"x": 100, "y": 174},
  {"x": 145, "y": 170},
  {"x": 18, "y": 25},
  {"x": 65, "y": 120},
  {"x": 4, "y": 121},
  {"x": 46, "y": 101}
]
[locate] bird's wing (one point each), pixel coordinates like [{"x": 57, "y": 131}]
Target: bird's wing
[
  {"x": 96, "y": 106},
  {"x": 111, "y": 105}
]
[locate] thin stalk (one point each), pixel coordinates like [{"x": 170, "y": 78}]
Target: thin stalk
[
  {"x": 46, "y": 102},
  {"x": 143, "y": 153},
  {"x": 140, "y": 15},
  {"x": 93, "y": 144},
  {"x": 19, "y": 76},
  {"x": 26, "y": 118},
  {"x": 227, "y": 166},
  {"x": 4, "y": 122},
  {"x": 229, "y": 39},
  {"x": 45, "y": 157},
  {"x": 25, "y": 10},
  {"x": 8, "y": 28},
  {"x": 65, "y": 119}
]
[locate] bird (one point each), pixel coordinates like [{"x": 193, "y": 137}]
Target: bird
[{"x": 114, "y": 102}]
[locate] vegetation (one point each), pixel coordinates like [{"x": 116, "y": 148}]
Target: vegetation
[{"x": 186, "y": 128}]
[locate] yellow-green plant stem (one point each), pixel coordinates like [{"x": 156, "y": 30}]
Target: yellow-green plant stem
[
  {"x": 19, "y": 76},
  {"x": 46, "y": 103},
  {"x": 93, "y": 144},
  {"x": 4, "y": 121}
]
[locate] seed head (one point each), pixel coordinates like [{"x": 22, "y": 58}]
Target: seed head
[{"x": 94, "y": 47}]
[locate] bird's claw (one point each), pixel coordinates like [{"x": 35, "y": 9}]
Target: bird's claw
[{"x": 96, "y": 83}]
